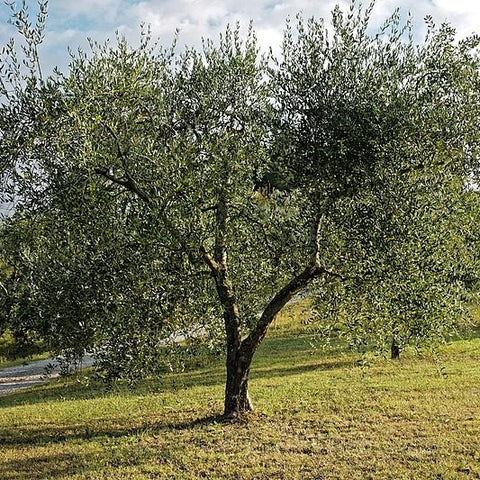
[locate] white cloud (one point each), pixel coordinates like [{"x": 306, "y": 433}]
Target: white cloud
[
  {"x": 462, "y": 14},
  {"x": 96, "y": 10},
  {"x": 201, "y": 18},
  {"x": 72, "y": 21}
]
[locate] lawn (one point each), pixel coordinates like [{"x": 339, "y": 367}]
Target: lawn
[{"x": 318, "y": 415}]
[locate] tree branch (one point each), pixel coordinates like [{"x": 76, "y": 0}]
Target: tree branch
[
  {"x": 120, "y": 153},
  {"x": 220, "y": 253},
  {"x": 208, "y": 209},
  {"x": 282, "y": 297},
  {"x": 313, "y": 270},
  {"x": 209, "y": 260},
  {"x": 128, "y": 183}
]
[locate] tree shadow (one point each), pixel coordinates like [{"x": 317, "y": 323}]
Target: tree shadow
[
  {"x": 58, "y": 463},
  {"x": 206, "y": 421},
  {"x": 24, "y": 436}
]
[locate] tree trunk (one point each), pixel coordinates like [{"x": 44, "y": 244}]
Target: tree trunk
[
  {"x": 237, "y": 400},
  {"x": 394, "y": 349},
  {"x": 240, "y": 354}
]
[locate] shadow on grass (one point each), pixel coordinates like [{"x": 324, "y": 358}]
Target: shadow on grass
[
  {"x": 47, "y": 435},
  {"x": 56, "y": 464},
  {"x": 32, "y": 436},
  {"x": 69, "y": 453},
  {"x": 44, "y": 467}
]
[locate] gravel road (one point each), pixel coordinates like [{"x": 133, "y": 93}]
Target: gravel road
[{"x": 25, "y": 376}]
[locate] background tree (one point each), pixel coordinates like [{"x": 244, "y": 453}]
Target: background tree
[{"x": 163, "y": 152}]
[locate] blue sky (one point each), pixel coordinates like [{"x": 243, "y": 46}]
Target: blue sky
[{"x": 72, "y": 21}]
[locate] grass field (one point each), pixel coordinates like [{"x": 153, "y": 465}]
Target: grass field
[{"x": 318, "y": 415}]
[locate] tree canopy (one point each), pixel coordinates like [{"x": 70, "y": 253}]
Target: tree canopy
[{"x": 136, "y": 178}]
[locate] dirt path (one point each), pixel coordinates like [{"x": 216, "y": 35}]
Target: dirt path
[{"x": 25, "y": 376}]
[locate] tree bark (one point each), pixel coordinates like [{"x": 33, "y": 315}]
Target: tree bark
[
  {"x": 237, "y": 399},
  {"x": 394, "y": 349}
]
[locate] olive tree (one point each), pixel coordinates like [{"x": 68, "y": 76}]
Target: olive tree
[{"x": 372, "y": 136}]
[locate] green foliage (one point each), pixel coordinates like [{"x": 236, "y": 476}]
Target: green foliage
[
  {"x": 20, "y": 347},
  {"x": 135, "y": 177},
  {"x": 6, "y": 344},
  {"x": 372, "y": 130}
]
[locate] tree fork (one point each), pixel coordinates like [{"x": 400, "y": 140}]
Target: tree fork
[{"x": 237, "y": 400}]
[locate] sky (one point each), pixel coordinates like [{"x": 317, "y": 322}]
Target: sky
[{"x": 71, "y": 22}]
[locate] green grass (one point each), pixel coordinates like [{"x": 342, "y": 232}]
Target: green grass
[{"x": 318, "y": 415}]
